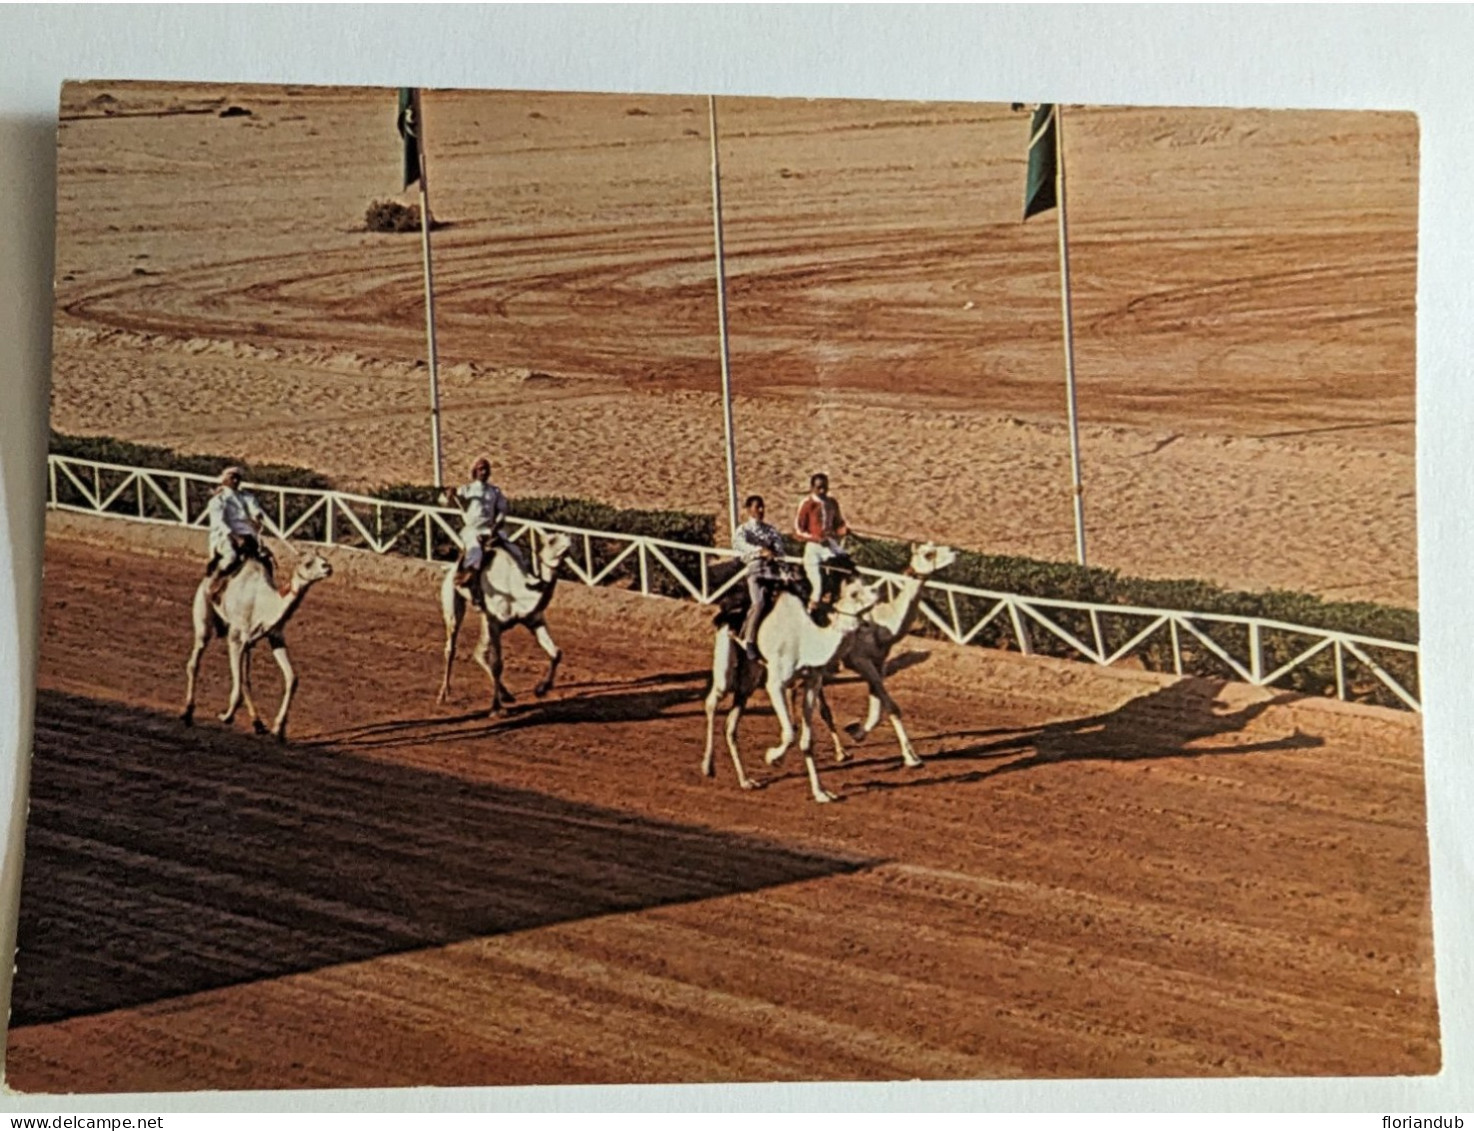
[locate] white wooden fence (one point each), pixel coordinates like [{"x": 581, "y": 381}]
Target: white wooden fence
[{"x": 1252, "y": 649}]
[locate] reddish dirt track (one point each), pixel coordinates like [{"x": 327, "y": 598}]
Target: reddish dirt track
[{"x": 1093, "y": 875}]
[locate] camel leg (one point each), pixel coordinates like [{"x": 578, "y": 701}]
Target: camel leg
[
  {"x": 806, "y": 744},
  {"x": 482, "y": 657},
  {"x": 204, "y": 628},
  {"x": 251, "y": 713},
  {"x": 804, "y": 715},
  {"x": 721, "y": 678},
  {"x": 489, "y": 656},
  {"x": 859, "y": 731},
  {"x": 907, "y": 751},
  {"x": 289, "y": 686},
  {"x": 734, "y": 716},
  {"x": 777, "y": 694},
  {"x": 745, "y": 681},
  {"x": 453, "y": 608},
  {"x": 881, "y": 704},
  {"x": 504, "y": 694},
  {"x": 555, "y": 655},
  {"x": 191, "y": 671},
  {"x": 236, "y": 648},
  {"x": 840, "y": 754}
]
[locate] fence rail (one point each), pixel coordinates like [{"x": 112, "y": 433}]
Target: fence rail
[{"x": 1251, "y": 649}]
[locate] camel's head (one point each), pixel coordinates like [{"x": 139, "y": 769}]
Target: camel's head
[
  {"x": 927, "y": 558},
  {"x": 555, "y": 548},
  {"x": 856, "y": 597},
  {"x": 313, "y": 567}
]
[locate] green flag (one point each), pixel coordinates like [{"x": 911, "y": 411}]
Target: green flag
[
  {"x": 1039, "y": 189},
  {"x": 409, "y": 130}
]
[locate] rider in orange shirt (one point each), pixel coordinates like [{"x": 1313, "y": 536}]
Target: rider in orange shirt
[{"x": 819, "y": 526}]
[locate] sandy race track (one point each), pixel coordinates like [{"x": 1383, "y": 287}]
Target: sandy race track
[
  {"x": 1093, "y": 874},
  {"x": 1244, "y": 287}
]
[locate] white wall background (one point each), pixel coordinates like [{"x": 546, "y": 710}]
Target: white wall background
[{"x": 1392, "y": 57}]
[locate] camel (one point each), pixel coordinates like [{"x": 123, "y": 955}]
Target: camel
[
  {"x": 247, "y": 610},
  {"x": 509, "y": 598},
  {"x": 796, "y": 652},
  {"x": 866, "y": 651}
]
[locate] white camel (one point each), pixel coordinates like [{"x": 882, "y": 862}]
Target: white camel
[
  {"x": 247, "y": 610},
  {"x": 795, "y": 651},
  {"x": 866, "y": 651},
  {"x": 509, "y": 598}
]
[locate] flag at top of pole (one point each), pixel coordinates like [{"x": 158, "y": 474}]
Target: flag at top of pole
[
  {"x": 409, "y": 130},
  {"x": 1039, "y": 187}
]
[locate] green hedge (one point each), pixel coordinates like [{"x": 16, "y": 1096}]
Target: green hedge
[
  {"x": 1062, "y": 581},
  {"x": 1024, "y": 576},
  {"x": 105, "y": 449}
]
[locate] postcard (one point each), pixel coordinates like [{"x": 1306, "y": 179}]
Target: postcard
[{"x": 557, "y": 588}]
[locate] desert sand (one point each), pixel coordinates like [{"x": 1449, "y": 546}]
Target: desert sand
[{"x": 1243, "y": 288}]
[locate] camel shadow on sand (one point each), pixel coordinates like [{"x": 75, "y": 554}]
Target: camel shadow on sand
[
  {"x": 1167, "y": 723},
  {"x": 591, "y": 702}
]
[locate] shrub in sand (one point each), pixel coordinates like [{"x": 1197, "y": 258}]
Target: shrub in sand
[{"x": 391, "y": 216}]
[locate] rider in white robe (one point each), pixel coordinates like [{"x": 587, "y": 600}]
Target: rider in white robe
[{"x": 484, "y": 509}]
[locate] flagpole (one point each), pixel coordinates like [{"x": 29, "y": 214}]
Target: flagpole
[
  {"x": 1069, "y": 329},
  {"x": 716, "y": 215},
  {"x": 419, "y": 125}
]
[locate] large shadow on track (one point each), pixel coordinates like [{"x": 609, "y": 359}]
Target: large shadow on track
[
  {"x": 162, "y": 861},
  {"x": 596, "y": 702},
  {"x": 1162, "y": 724}
]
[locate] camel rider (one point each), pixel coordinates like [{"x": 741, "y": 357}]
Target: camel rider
[
  {"x": 236, "y": 525},
  {"x": 760, "y": 547},
  {"x": 484, "y": 509},
  {"x": 819, "y": 526}
]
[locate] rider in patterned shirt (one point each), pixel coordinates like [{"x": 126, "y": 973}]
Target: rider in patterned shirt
[{"x": 759, "y": 546}]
